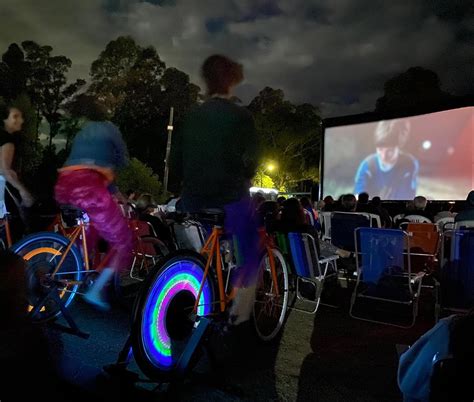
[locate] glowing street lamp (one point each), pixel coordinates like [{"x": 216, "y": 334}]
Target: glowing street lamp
[{"x": 269, "y": 167}]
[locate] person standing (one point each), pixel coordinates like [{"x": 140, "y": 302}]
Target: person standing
[
  {"x": 218, "y": 156},
  {"x": 14, "y": 196}
]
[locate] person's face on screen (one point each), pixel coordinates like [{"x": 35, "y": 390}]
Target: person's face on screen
[{"x": 388, "y": 157}]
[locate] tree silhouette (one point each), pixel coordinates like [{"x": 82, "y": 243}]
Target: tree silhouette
[
  {"x": 13, "y": 73},
  {"x": 289, "y": 135},
  {"x": 47, "y": 83},
  {"x": 416, "y": 90}
]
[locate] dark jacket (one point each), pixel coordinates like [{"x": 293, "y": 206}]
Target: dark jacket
[{"x": 216, "y": 153}]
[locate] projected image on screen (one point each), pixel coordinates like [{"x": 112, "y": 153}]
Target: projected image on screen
[{"x": 430, "y": 155}]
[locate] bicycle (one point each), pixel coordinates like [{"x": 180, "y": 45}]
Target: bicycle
[
  {"x": 188, "y": 291},
  {"x": 60, "y": 264}
]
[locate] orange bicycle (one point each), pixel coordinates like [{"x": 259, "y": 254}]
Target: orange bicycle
[
  {"x": 58, "y": 267},
  {"x": 188, "y": 290},
  {"x": 61, "y": 264}
]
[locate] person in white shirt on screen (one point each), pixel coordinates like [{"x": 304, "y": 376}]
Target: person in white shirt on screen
[{"x": 389, "y": 173}]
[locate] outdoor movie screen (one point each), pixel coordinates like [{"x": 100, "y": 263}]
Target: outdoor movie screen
[{"x": 397, "y": 159}]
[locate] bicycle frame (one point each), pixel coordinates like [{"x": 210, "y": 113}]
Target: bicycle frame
[
  {"x": 212, "y": 249},
  {"x": 80, "y": 230},
  {"x": 8, "y": 233}
]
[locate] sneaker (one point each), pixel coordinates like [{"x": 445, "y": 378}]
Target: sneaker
[
  {"x": 96, "y": 300},
  {"x": 242, "y": 305},
  {"x": 94, "y": 295}
]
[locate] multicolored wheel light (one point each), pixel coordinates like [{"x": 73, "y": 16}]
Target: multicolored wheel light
[{"x": 180, "y": 276}]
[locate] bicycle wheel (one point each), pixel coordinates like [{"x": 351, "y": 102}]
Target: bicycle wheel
[
  {"x": 164, "y": 319},
  {"x": 269, "y": 311},
  {"x": 42, "y": 252}
]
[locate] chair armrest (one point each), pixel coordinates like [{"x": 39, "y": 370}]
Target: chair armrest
[
  {"x": 329, "y": 259},
  {"x": 417, "y": 277}
]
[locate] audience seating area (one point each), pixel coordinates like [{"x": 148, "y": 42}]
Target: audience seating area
[{"x": 396, "y": 265}]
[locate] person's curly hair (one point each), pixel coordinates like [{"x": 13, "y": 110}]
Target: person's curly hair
[{"x": 220, "y": 73}]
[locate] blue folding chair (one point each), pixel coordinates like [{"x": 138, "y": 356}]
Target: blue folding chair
[
  {"x": 382, "y": 275},
  {"x": 309, "y": 268},
  {"x": 343, "y": 225},
  {"x": 457, "y": 279}
]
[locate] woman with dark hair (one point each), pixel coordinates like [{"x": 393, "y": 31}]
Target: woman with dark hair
[
  {"x": 13, "y": 194},
  {"x": 311, "y": 214},
  {"x": 87, "y": 182}
]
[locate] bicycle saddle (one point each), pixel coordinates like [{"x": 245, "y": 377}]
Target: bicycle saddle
[
  {"x": 210, "y": 215},
  {"x": 71, "y": 211}
]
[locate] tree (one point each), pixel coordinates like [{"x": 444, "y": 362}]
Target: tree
[
  {"x": 138, "y": 91},
  {"x": 125, "y": 70},
  {"x": 289, "y": 135},
  {"x": 416, "y": 90},
  {"x": 13, "y": 73},
  {"x": 178, "y": 91},
  {"x": 262, "y": 179},
  {"x": 139, "y": 177},
  {"x": 47, "y": 83}
]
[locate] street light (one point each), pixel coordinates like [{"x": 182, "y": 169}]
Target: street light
[{"x": 269, "y": 167}]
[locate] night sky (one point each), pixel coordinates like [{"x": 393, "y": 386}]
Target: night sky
[{"x": 334, "y": 53}]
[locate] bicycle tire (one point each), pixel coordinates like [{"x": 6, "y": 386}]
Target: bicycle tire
[
  {"x": 162, "y": 324},
  {"x": 270, "y": 311},
  {"x": 36, "y": 249}
]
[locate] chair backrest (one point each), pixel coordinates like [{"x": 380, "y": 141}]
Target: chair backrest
[
  {"x": 445, "y": 223},
  {"x": 376, "y": 219},
  {"x": 381, "y": 253},
  {"x": 421, "y": 227},
  {"x": 282, "y": 242},
  {"x": 326, "y": 223},
  {"x": 145, "y": 228},
  {"x": 424, "y": 238},
  {"x": 417, "y": 218},
  {"x": 397, "y": 218},
  {"x": 304, "y": 255},
  {"x": 458, "y": 274},
  {"x": 463, "y": 224},
  {"x": 343, "y": 225},
  {"x": 189, "y": 235}
]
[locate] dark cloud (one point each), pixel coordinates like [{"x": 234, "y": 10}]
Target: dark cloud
[{"x": 336, "y": 54}]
